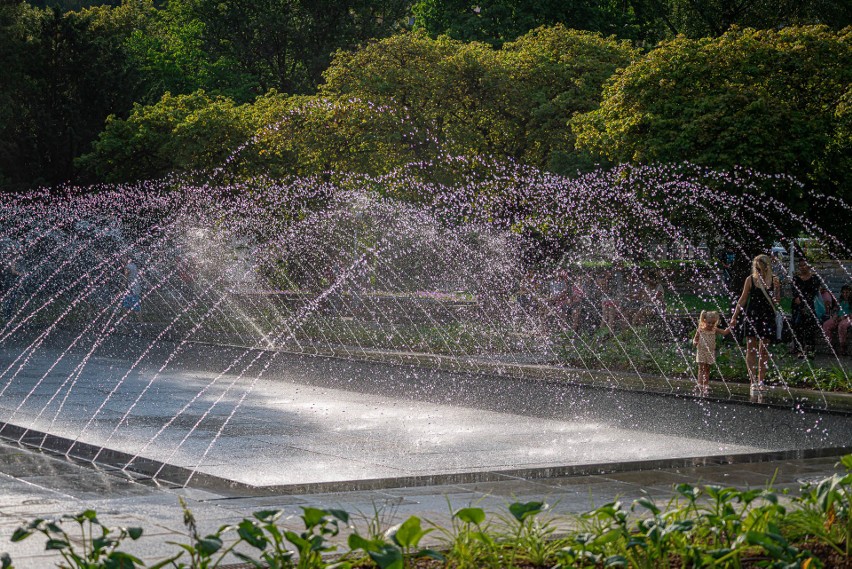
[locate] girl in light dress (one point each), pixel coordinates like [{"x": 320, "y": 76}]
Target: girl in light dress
[{"x": 705, "y": 346}]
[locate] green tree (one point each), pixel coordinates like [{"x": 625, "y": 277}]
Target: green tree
[
  {"x": 179, "y": 133},
  {"x": 498, "y": 21},
  {"x": 169, "y": 51},
  {"x": 703, "y": 18},
  {"x": 19, "y": 47},
  {"x": 469, "y": 99},
  {"x": 307, "y": 135},
  {"x": 68, "y": 72},
  {"x": 558, "y": 74},
  {"x": 243, "y": 48},
  {"x": 643, "y": 21},
  {"x": 774, "y": 101}
]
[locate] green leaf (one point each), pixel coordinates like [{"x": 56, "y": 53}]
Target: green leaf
[
  {"x": 100, "y": 543},
  {"x": 53, "y": 528},
  {"x": 21, "y": 534},
  {"x": 356, "y": 542},
  {"x": 134, "y": 533},
  {"x": 688, "y": 491},
  {"x": 523, "y": 511},
  {"x": 89, "y": 515},
  {"x": 121, "y": 560},
  {"x": 252, "y": 534},
  {"x": 648, "y": 504},
  {"x": 59, "y": 544},
  {"x": 474, "y": 516},
  {"x": 409, "y": 533},
  {"x": 615, "y": 561},
  {"x": 5, "y": 561},
  {"x": 341, "y": 515},
  {"x": 313, "y": 516},
  {"x": 388, "y": 557},
  {"x": 608, "y": 537},
  {"x": 431, "y": 553},
  {"x": 267, "y": 516},
  {"x": 301, "y": 543},
  {"x": 209, "y": 545}
]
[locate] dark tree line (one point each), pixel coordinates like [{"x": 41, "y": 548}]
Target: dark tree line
[
  {"x": 66, "y": 71},
  {"x": 68, "y": 65}
]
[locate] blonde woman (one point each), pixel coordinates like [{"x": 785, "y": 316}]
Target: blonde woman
[{"x": 757, "y": 305}]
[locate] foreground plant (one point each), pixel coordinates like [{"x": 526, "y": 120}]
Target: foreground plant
[
  {"x": 708, "y": 526},
  {"x": 824, "y": 512},
  {"x": 97, "y": 545}
]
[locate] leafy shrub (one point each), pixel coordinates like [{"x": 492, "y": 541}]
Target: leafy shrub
[{"x": 700, "y": 527}]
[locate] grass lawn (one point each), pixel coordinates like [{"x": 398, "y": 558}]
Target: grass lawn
[{"x": 692, "y": 303}]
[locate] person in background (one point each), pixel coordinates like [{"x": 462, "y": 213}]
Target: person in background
[
  {"x": 132, "y": 299},
  {"x": 726, "y": 259},
  {"x": 10, "y": 279},
  {"x": 824, "y": 304},
  {"x": 805, "y": 287},
  {"x": 780, "y": 272},
  {"x": 840, "y": 319},
  {"x": 757, "y": 305}
]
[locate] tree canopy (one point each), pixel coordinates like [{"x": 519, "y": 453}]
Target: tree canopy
[
  {"x": 514, "y": 102},
  {"x": 403, "y": 99},
  {"x": 111, "y": 91},
  {"x": 499, "y": 21},
  {"x": 773, "y": 101},
  {"x": 644, "y": 21},
  {"x": 769, "y": 100}
]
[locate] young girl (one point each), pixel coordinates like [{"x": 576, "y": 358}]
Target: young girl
[{"x": 705, "y": 344}]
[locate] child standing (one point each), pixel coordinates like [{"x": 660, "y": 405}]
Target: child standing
[{"x": 705, "y": 344}]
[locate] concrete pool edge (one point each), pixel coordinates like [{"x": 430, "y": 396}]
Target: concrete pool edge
[{"x": 154, "y": 472}]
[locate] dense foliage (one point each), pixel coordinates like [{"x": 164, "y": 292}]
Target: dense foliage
[
  {"x": 66, "y": 72},
  {"x": 123, "y": 91},
  {"x": 775, "y": 101},
  {"x": 645, "y": 21}
]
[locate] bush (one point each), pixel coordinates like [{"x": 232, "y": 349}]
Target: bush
[{"x": 701, "y": 526}]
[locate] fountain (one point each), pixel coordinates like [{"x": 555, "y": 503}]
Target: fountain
[{"x": 313, "y": 334}]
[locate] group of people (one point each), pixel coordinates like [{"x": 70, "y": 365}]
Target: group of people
[
  {"x": 12, "y": 276},
  {"x": 606, "y": 299},
  {"x": 757, "y": 316}
]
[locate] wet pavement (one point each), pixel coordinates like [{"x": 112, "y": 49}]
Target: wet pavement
[
  {"x": 35, "y": 484},
  {"x": 131, "y": 428},
  {"x": 268, "y": 422}
]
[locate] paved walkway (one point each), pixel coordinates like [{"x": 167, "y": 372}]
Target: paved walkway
[
  {"x": 34, "y": 484},
  {"x": 366, "y": 437},
  {"x": 278, "y": 422}
]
